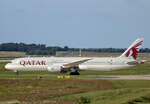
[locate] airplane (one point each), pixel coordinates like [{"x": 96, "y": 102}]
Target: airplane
[{"x": 76, "y": 64}]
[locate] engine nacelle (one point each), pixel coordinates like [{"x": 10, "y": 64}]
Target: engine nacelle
[{"x": 55, "y": 68}]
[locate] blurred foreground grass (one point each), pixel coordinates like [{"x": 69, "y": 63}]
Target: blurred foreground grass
[
  {"x": 69, "y": 91},
  {"x": 27, "y": 88}
]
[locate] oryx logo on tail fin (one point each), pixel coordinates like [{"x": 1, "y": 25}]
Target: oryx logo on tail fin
[{"x": 133, "y": 50}]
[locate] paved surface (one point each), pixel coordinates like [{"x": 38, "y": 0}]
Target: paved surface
[
  {"x": 5, "y": 60},
  {"x": 126, "y": 77}
]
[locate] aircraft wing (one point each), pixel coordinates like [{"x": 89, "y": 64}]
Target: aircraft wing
[{"x": 75, "y": 64}]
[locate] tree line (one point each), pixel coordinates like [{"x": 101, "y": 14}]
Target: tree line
[{"x": 42, "y": 49}]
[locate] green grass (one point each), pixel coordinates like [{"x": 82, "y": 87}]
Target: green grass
[
  {"x": 37, "y": 90},
  {"x": 70, "y": 91},
  {"x": 145, "y": 99},
  {"x": 131, "y": 83},
  {"x": 2, "y": 66},
  {"x": 125, "y": 91},
  {"x": 11, "y": 54},
  {"x": 117, "y": 96},
  {"x": 28, "y": 88}
]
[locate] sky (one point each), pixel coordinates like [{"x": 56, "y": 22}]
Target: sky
[{"x": 75, "y": 23}]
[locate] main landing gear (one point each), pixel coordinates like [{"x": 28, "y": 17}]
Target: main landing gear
[{"x": 75, "y": 73}]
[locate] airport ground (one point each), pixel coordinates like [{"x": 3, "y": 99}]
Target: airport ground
[{"x": 91, "y": 87}]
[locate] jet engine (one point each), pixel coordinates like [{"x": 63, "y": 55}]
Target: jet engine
[{"x": 55, "y": 68}]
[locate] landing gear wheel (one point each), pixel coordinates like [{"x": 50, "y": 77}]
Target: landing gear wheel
[{"x": 75, "y": 73}]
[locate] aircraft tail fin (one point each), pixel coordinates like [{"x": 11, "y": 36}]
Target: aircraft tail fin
[{"x": 133, "y": 50}]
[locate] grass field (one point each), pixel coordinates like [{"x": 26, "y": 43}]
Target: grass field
[
  {"x": 11, "y": 54},
  {"x": 29, "y": 88},
  {"x": 55, "y": 91}
]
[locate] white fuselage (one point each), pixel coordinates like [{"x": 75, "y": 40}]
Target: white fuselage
[{"x": 42, "y": 63}]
